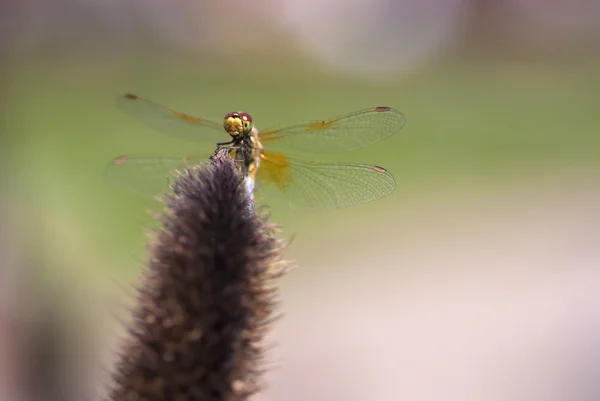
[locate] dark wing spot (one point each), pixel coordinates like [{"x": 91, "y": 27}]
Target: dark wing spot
[
  {"x": 130, "y": 96},
  {"x": 379, "y": 169},
  {"x": 120, "y": 160},
  {"x": 382, "y": 108}
]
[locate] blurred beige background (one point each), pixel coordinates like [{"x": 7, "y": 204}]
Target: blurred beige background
[{"x": 476, "y": 280}]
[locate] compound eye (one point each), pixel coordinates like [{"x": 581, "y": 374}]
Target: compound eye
[
  {"x": 229, "y": 115},
  {"x": 246, "y": 117}
]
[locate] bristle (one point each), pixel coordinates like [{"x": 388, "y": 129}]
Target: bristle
[{"x": 207, "y": 296}]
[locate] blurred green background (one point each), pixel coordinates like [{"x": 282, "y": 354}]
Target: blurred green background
[
  {"x": 497, "y": 108},
  {"x": 481, "y": 125}
]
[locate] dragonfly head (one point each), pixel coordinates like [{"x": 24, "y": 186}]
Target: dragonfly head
[{"x": 237, "y": 123}]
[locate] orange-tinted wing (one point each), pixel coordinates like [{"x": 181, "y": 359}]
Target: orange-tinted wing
[
  {"x": 348, "y": 132},
  {"x": 317, "y": 185},
  {"x": 171, "y": 122},
  {"x": 145, "y": 176}
]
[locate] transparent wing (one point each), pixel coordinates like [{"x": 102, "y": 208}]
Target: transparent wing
[
  {"x": 316, "y": 185},
  {"x": 348, "y": 132},
  {"x": 145, "y": 176},
  {"x": 171, "y": 122}
]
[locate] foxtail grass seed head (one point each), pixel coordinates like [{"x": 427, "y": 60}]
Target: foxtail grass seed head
[{"x": 206, "y": 300}]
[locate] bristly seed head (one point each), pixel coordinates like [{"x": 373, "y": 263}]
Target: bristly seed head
[{"x": 207, "y": 296}]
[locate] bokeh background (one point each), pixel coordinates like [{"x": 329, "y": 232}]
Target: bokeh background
[{"x": 478, "y": 279}]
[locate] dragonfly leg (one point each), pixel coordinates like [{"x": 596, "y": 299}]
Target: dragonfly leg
[{"x": 227, "y": 147}]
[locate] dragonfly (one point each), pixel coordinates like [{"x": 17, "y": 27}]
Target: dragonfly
[{"x": 265, "y": 156}]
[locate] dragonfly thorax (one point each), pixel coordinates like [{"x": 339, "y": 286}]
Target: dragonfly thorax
[{"x": 237, "y": 124}]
